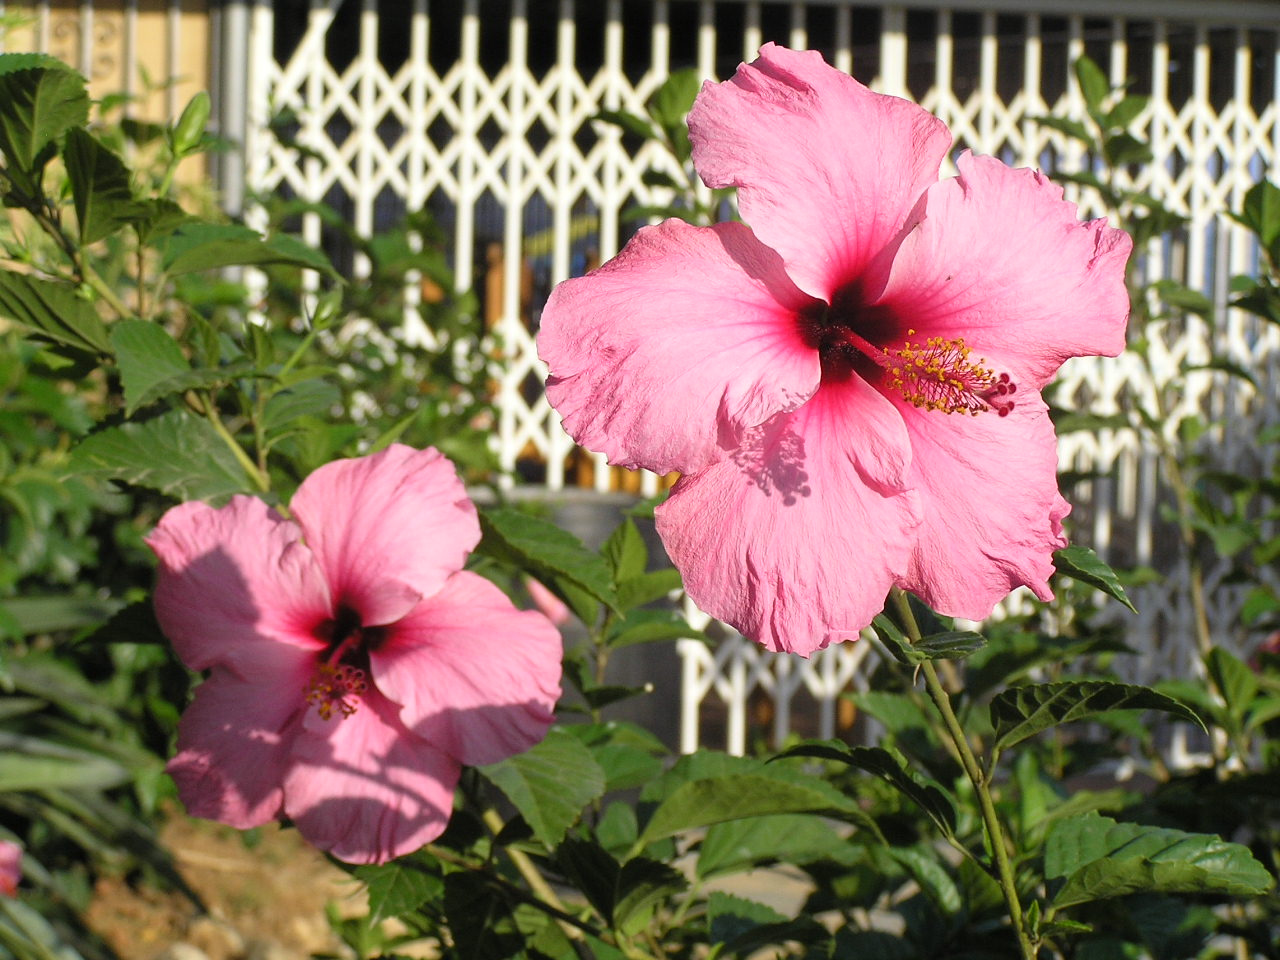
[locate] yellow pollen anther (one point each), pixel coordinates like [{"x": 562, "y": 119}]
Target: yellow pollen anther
[
  {"x": 939, "y": 375},
  {"x": 336, "y": 686}
]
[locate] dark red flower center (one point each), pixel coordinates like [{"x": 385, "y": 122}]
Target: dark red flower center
[
  {"x": 341, "y": 676},
  {"x": 932, "y": 373}
]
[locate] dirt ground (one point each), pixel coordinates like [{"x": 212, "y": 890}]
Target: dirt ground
[{"x": 265, "y": 903}]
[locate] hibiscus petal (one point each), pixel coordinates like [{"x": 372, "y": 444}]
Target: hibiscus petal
[
  {"x": 475, "y": 676},
  {"x": 234, "y": 739},
  {"x": 993, "y": 514},
  {"x": 387, "y": 529},
  {"x": 796, "y": 539},
  {"x": 827, "y": 171},
  {"x": 233, "y": 582},
  {"x": 1002, "y": 261},
  {"x": 366, "y": 789},
  {"x": 665, "y": 356}
]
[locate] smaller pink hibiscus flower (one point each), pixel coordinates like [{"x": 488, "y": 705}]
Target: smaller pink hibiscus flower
[
  {"x": 10, "y": 868},
  {"x": 353, "y": 665}
]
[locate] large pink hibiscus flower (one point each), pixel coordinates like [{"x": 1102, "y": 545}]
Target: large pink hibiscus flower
[
  {"x": 850, "y": 385},
  {"x": 353, "y": 665}
]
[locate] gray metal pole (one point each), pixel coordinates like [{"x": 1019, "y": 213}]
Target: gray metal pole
[{"x": 232, "y": 59}]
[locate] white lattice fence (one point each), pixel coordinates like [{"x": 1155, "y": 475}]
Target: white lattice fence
[{"x": 482, "y": 110}]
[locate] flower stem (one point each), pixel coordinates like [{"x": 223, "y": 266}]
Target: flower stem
[{"x": 981, "y": 782}]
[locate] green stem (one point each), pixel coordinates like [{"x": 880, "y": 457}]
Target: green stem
[
  {"x": 209, "y": 409},
  {"x": 981, "y": 782}
]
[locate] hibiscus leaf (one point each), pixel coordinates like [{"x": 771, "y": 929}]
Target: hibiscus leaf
[
  {"x": 798, "y": 838},
  {"x": 746, "y": 927},
  {"x": 649, "y": 626},
  {"x": 1096, "y": 858},
  {"x": 1094, "y": 85},
  {"x": 930, "y": 796},
  {"x": 717, "y": 799},
  {"x": 54, "y": 311},
  {"x": 210, "y": 246},
  {"x": 547, "y": 552},
  {"x": 176, "y": 453},
  {"x": 100, "y": 187},
  {"x": 550, "y": 784},
  {"x": 1081, "y": 563},
  {"x": 40, "y": 99},
  {"x": 1022, "y": 712},
  {"x": 642, "y": 885},
  {"x": 397, "y": 888},
  {"x": 945, "y": 645},
  {"x": 481, "y": 917},
  {"x": 625, "y": 551},
  {"x": 146, "y": 356}
]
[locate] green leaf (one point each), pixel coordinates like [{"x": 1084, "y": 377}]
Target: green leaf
[
  {"x": 1224, "y": 364},
  {"x": 928, "y": 871},
  {"x": 700, "y": 803},
  {"x": 306, "y": 398},
  {"x": 1124, "y": 148},
  {"x": 544, "y": 550},
  {"x": 40, "y": 100},
  {"x": 628, "y": 122},
  {"x": 1126, "y": 111},
  {"x": 53, "y": 310},
  {"x": 730, "y": 917},
  {"x": 49, "y": 614},
  {"x": 135, "y": 623},
  {"x": 1081, "y": 563},
  {"x": 671, "y": 103},
  {"x": 1237, "y": 684},
  {"x": 642, "y": 884},
  {"x": 28, "y": 763},
  {"x": 397, "y": 888},
  {"x": 1099, "y": 858},
  {"x": 650, "y": 626},
  {"x": 1094, "y": 86},
  {"x": 1022, "y": 712},
  {"x": 550, "y": 784},
  {"x": 175, "y": 453},
  {"x": 1179, "y": 295},
  {"x": 648, "y": 587},
  {"x": 1072, "y": 128},
  {"x": 592, "y": 870},
  {"x": 625, "y": 551},
  {"x": 481, "y": 919},
  {"x": 1261, "y": 212},
  {"x": 949, "y": 645},
  {"x": 100, "y": 187},
  {"x": 147, "y": 356},
  {"x": 211, "y": 246},
  {"x": 738, "y": 845},
  {"x": 930, "y": 797}
]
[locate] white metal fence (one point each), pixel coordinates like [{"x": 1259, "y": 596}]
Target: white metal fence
[{"x": 482, "y": 110}]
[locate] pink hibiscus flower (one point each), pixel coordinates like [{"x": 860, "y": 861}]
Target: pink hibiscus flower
[
  {"x": 353, "y": 665},
  {"x": 10, "y": 868},
  {"x": 850, "y": 385}
]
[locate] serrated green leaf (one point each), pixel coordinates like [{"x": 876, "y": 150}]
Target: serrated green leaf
[
  {"x": 949, "y": 645},
  {"x": 146, "y": 356},
  {"x": 1099, "y": 858},
  {"x": 1081, "y": 563},
  {"x": 53, "y": 310},
  {"x": 546, "y": 551},
  {"x": 550, "y": 784},
  {"x": 210, "y": 246},
  {"x": 397, "y": 888},
  {"x": 729, "y": 916},
  {"x": 100, "y": 187},
  {"x": 1022, "y": 712},
  {"x": 591, "y": 869},
  {"x": 175, "y": 453},
  {"x": 928, "y": 871},
  {"x": 1094, "y": 85},
  {"x": 481, "y": 919},
  {"x": 39, "y": 102},
  {"x": 135, "y": 623},
  {"x": 930, "y": 797},
  {"x": 306, "y": 398},
  {"x": 642, "y": 885}
]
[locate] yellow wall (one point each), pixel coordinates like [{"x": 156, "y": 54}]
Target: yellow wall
[{"x": 169, "y": 39}]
